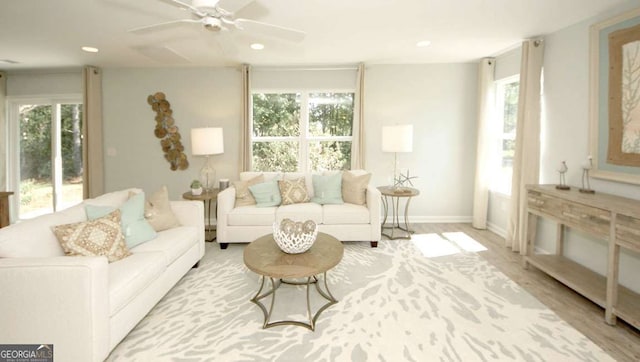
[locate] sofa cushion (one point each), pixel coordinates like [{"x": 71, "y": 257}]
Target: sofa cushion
[
  {"x": 34, "y": 238},
  {"x": 267, "y": 194},
  {"x": 99, "y": 237},
  {"x": 354, "y": 187},
  {"x": 243, "y": 195},
  {"x": 327, "y": 189},
  {"x": 135, "y": 227},
  {"x": 300, "y": 212},
  {"x": 293, "y": 191},
  {"x": 172, "y": 243},
  {"x": 158, "y": 212},
  {"x": 345, "y": 214},
  {"x": 252, "y": 216},
  {"x": 130, "y": 276},
  {"x": 114, "y": 199}
]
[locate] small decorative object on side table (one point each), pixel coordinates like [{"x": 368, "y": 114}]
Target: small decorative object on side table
[
  {"x": 196, "y": 188},
  {"x": 206, "y": 197},
  {"x": 586, "y": 166},
  {"x": 395, "y": 193},
  {"x": 562, "y": 170}
]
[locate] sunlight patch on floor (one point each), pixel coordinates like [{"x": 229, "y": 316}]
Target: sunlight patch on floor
[
  {"x": 434, "y": 245},
  {"x": 464, "y": 241}
]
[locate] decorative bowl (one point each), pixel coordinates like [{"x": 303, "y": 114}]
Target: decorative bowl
[{"x": 295, "y": 237}]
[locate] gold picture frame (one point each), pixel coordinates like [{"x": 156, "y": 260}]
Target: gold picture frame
[{"x": 614, "y": 99}]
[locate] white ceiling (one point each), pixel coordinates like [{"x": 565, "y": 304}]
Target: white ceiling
[{"x": 49, "y": 33}]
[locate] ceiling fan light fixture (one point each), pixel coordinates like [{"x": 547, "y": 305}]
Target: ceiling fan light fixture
[
  {"x": 212, "y": 24},
  {"x": 257, "y": 46}
]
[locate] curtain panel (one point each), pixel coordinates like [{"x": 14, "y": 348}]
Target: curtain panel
[
  {"x": 526, "y": 161},
  {"x": 92, "y": 149},
  {"x": 357, "y": 143},
  {"x": 245, "y": 136},
  {"x": 3, "y": 135},
  {"x": 485, "y": 147}
]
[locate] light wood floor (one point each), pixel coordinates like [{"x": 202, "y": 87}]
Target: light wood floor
[{"x": 622, "y": 341}]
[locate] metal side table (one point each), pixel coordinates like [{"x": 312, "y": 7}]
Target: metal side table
[{"x": 392, "y": 195}]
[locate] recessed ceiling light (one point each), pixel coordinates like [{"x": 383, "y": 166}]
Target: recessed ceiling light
[
  {"x": 257, "y": 46},
  {"x": 423, "y": 43},
  {"x": 90, "y": 49}
]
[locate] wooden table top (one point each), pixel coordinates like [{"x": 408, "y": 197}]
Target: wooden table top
[
  {"x": 401, "y": 191},
  {"x": 204, "y": 196},
  {"x": 264, "y": 257}
]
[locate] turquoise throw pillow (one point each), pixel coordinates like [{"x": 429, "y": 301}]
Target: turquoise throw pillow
[
  {"x": 135, "y": 227},
  {"x": 327, "y": 189},
  {"x": 266, "y": 193}
]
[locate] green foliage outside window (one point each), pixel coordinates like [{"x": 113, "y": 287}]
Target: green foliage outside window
[{"x": 279, "y": 115}]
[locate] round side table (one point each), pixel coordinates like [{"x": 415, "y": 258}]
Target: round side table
[
  {"x": 392, "y": 194},
  {"x": 207, "y": 197}
]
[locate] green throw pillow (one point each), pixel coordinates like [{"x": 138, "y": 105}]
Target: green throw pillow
[
  {"x": 135, "y": 227},
  {"x": 266, "y": 193},
  {"x": 327, "y": 189}
]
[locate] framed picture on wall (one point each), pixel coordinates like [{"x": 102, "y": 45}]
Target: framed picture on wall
[{"x": 615, "y": 98}]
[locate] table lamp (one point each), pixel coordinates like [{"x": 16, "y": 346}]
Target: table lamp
[
  {"x": 207, "y": 142},
  {"x": 398, "y": 138}
]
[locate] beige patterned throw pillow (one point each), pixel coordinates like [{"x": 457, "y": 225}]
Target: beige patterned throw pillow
[
  {"x": 99, "y": 237},
  {"x": 293, "y": 191},
  {"x": 243, "y": 195},
  {"x": 354, "y": 188}
]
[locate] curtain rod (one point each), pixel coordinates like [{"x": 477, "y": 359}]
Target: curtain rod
[{"x": 293, "y": 69}]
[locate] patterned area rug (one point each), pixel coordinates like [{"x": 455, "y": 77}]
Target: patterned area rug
[{"x": 426, "y": 299}]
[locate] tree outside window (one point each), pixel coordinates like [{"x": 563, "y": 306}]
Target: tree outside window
[
  {"x": 302, "y": 131},
  {"x": 507, "y": 91}
]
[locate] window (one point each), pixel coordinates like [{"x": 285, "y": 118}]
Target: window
[
  {"x": 506, "y": 119},
  {"x": 302, "y": 131},
  {"x": 46, "y": 155}
]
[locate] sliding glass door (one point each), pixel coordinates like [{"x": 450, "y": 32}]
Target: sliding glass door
[{"x": 47, "y": 155}]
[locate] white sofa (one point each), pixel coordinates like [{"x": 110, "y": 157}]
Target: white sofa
[
  {"x": 85, "y": 306},
  {"x": 346, "y": 222}
]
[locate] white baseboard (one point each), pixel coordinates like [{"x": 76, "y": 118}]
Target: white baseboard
[
  {"x": 439, "y": 219},
  {"x": 497, "y": 229}
]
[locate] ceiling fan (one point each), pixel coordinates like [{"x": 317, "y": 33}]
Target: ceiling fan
[{"x": 212, "y": 17}]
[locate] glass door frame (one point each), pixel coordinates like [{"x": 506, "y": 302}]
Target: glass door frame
[{"x": 13, "y": 151}]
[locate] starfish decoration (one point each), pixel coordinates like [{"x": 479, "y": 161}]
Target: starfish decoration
[{"x": 403, "y": 179}]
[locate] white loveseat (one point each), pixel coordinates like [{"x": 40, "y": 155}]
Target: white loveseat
[
  {"x": 346, "y": 222},
  {"x": 82, "y": 305}
]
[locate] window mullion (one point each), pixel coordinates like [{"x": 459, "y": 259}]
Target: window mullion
[{"x": 303, "y": 166}]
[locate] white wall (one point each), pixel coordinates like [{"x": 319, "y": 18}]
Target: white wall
[
  {"x": 565, "y": 134},
  {"x": 199, "y": 97},
  {"x": 440, "y": 101}
]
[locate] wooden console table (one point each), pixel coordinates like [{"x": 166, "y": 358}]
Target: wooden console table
[
  {"x": 611, "y": 218},
  {"x": 4, "y": 208}
]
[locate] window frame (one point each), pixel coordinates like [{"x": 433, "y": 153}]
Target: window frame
[
  {"x": 498, "y": 131},
  {"x": 13, "y": 144},
  {"x": 304, "y": 139}
]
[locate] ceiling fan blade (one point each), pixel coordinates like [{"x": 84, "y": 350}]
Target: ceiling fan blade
[
  {"x": 233, "y": 6},
  {"x": 142, "y": 29},
  {"x": 185, "y": 6},
  {"x": 270, "y": 30}
]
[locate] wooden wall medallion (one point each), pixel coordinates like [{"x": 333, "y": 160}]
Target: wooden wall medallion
[{"x": 168, "y": 132}]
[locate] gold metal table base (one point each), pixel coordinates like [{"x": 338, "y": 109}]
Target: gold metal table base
[
  {"x": 395, "y": 218},
  {"x": 312, "y": 319}
]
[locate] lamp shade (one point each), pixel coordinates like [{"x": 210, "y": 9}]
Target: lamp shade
[
  {"x": 207, "y": 141},
  {"x": 397, "y": 138}
]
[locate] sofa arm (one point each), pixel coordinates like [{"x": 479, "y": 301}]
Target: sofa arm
[
  {"x": 374, "y": 204},
  {"x": 226, "y": 203},
  {"x": 191, "y": 213},
  {"x": 62, "y": 301}
]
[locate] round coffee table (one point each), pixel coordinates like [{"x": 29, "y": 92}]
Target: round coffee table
[{"x": 264, "y": 257}]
